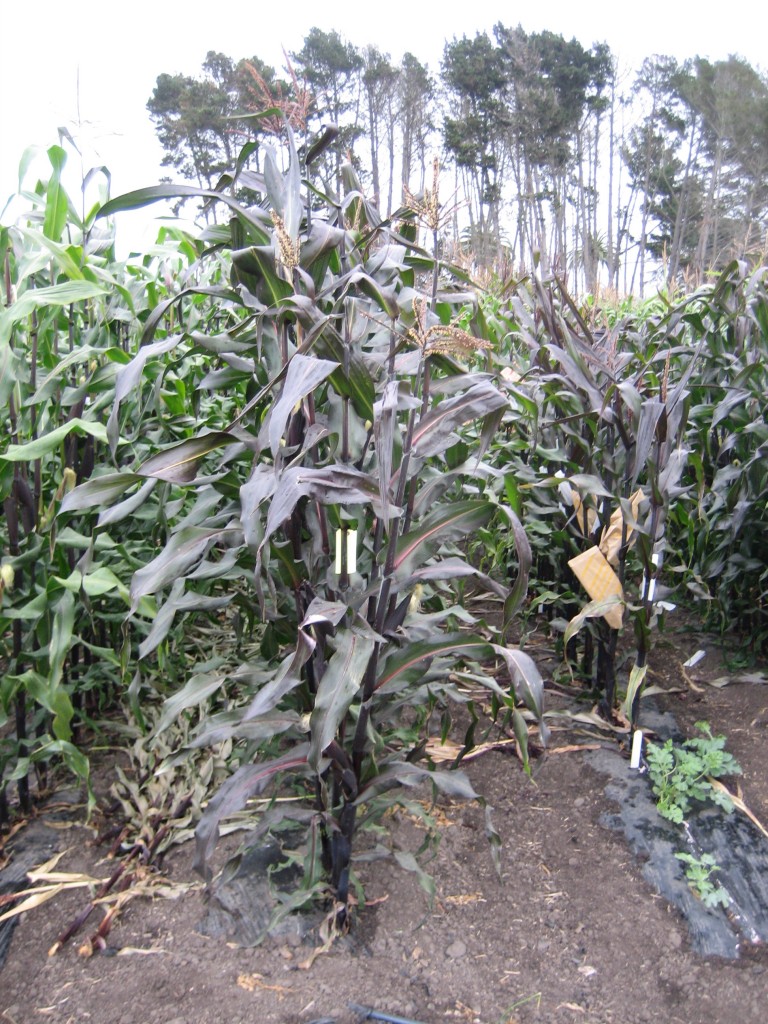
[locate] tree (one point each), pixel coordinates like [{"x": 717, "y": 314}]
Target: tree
[
  {"x": 475, "y": 136},
  {"x": 415, "y": 115},
  {"x": 195, "y": 117},
  {"x": 699, "y": 160},
  {"x": 731, "y": 101},
  {"x": 555, "y": 99},
  {"x": 331, "y": 69},
  {"x": 380, "y": 81},
  {"x": 525, "y": 124},
  {"x": 650, "y": 156}
]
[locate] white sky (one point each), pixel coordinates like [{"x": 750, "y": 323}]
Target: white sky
[{"x": 92, "y": 64}]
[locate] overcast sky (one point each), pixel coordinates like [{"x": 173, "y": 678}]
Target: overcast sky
[{"x": 88, "y": 67}]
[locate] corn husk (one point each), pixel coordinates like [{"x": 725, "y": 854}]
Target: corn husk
[
  {"x": 586, "y": 516},
  {"x": 610, "y": 541}
]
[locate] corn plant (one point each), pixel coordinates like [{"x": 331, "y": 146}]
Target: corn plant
[
  {"x": 720, "y": 528},
  {"x": 641, "y": 441},
  {"x": 327, "y": 512},
  {"x": 64, "y": 330},
  {"x": 596, "y": 467},
  {"x": 52, "y": 285}
]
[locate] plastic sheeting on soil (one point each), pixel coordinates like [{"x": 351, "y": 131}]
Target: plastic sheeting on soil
[
  {"x": 33, "y": 846},
  {"x": 739, "y": 848},
  {"x": 243, "y": 900}
]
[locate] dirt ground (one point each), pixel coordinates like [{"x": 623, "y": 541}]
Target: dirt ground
[{"x": 570, "y": 932}]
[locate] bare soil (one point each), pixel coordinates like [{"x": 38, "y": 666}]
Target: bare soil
[{"x": 569, "y": 933}]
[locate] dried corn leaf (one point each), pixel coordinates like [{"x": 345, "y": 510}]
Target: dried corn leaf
[
  {"x": 449, "y": 751},
  {"x": 654, "y": 691},
  {"x": 53, "y": 881},
  {"x": 589, "y": 718},
  {"x": 251, "y": 982},
  {"x": 157, "y": 887},
  {"x": 69, "y": 878},
  {"x": 742, "y": 677},
  {"x": 738, "y": 803},
  {"x": 465, "y": 898},
  {"x": 49, "y": 865},
  {"x": 36, "y": 900},
  {"x": 138, "y": 951}
]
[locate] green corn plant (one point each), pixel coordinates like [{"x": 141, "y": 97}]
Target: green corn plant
[
  {"x": 324, "y": 499},
  {"x": 720, "y": 530},
  {"x": 68, "y": 304},
  {"x": 49, "y": 293}
]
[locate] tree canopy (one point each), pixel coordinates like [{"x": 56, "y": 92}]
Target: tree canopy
[{"x": 559, "y": 157}]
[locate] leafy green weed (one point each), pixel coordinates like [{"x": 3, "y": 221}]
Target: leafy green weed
[
  {"x": 681, "y": 774},
  {"x": 699, "y": 872}
]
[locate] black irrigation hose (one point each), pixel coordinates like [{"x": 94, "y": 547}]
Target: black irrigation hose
[{"x": 367, "y": 1013}]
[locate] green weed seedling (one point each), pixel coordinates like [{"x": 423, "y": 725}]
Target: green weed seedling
[
  {"x": 699, "y": 872},
  {"x": 681, "y": 774}
]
